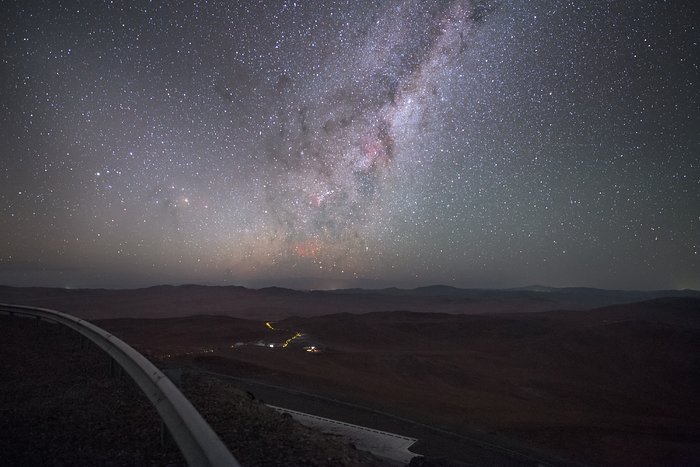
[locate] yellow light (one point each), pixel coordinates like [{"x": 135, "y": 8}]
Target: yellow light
[{"x": 286, "y": 343}]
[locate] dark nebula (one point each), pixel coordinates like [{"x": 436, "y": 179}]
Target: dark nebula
[{"x": 338, "y": 144}]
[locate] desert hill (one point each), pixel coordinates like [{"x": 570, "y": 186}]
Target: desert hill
[
  {"x": 615, "y": 385},
  {"x": 278, "y": 303}
]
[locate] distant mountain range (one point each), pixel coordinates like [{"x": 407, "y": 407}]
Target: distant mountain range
[
  {"x": 584, "y": 296},
  {"x": 278, "y": 303}
]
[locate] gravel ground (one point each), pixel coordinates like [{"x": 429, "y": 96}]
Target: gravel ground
[
  {"x": 260, "y": 436},
  {"x": 60, "y": 407}
]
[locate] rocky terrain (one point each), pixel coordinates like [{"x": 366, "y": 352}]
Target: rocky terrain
[
  {"x": 59, "y": 406},
  {"x": 610, "y": 386},
  {"x": 274, "y": 303}
]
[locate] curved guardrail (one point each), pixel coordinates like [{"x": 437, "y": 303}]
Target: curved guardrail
[{"x": 199, "y": 444}]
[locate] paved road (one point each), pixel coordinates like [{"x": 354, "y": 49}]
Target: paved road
[
  {"x": 433, "y": 441},
  {"x": 380, "y": 443}
]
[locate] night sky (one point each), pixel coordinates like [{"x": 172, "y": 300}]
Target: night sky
[{"x": 353, "y": 143}]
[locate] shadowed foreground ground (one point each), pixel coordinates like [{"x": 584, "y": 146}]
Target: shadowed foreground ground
[
  {"x": 60, "y": 406},
  {"x": 609, "y": 386}
]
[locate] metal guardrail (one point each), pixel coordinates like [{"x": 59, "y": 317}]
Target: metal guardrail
[{"x": 199, "y": 444}]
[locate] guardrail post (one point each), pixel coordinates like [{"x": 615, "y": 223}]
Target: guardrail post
[
  {"x": 165, "y": 436},
  {"x": 114, "y": 369}
]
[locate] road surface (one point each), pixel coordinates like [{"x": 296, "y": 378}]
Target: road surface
[
  {"x": 380, "y": 443},
  {"x": 432, "y": 441}
]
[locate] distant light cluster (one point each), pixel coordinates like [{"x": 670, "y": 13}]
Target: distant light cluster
[{"x": 337, "y": 144}]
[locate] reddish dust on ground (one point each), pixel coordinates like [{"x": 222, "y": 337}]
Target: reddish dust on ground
[
  {"x": 608, "y": 386},
  {"x": 611, "y": 386},
  {"x": 59, "y": 405}
]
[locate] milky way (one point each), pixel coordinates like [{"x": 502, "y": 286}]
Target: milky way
[{"x": 337, "y": 144}]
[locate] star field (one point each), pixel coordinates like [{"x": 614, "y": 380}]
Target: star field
[{"x": 339, "y": 144}]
